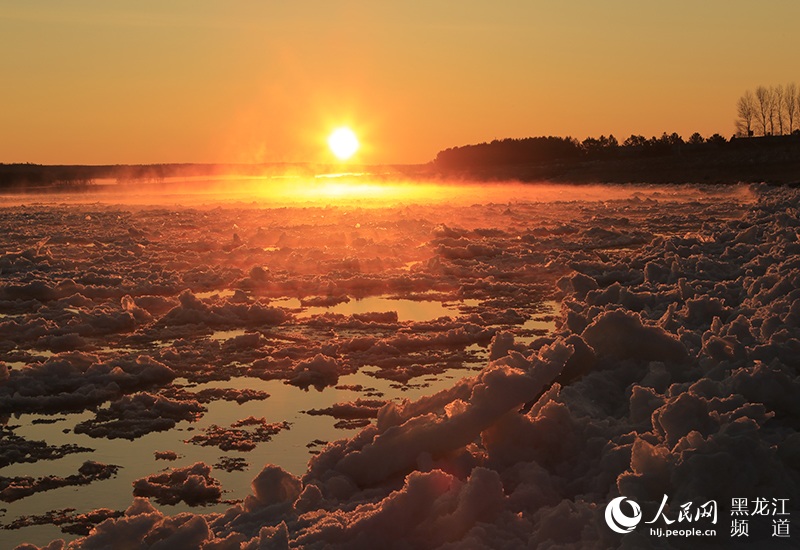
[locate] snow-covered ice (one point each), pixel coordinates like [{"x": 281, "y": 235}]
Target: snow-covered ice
[{"x": 668, "y": 367}]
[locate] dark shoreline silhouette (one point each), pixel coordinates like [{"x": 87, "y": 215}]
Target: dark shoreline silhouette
[
  {"x": 37, "y": 178},
  {"x": 668, "y": 159},
  {"x": 771, "y": 159}
]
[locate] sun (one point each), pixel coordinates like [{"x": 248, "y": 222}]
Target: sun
[{"x": 343, "y": 143}]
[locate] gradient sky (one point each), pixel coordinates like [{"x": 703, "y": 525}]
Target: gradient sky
[{"x": 97, "y": 82}]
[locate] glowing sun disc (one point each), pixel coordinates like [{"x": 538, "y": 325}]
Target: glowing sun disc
[{"x": 343, "y": 143}]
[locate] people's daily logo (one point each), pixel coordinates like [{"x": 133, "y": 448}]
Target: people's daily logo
[
  {"x": 700, "y": 519},
  {"x": 619, "y": 520}
]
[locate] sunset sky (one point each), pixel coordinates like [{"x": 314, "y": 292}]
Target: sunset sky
[{"x": 98, "y": 82}]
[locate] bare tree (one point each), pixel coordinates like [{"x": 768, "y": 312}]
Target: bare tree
[
  {"x": 746, "y": 111},
  {"x": 771, "y": 109},
  {"x": 797, "y": 108},
  {"x": 791, "y": 100},
  {"x": 763, "y": 101},
  {"x": 777, "y": 98}
]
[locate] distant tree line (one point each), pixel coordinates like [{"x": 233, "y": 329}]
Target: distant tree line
[
  {"x": 538, "y": 150},
  {"x": 76, "y": 176},
  {"x": 68, "y": 177},
  {"x": 36, "y": 175},
  {"x": 769, "y": 111},
  {"x": 510, "y": 151}
]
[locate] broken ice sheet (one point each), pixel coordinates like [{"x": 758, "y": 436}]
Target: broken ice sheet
[
  {"x": 15, "y": 488},
  {"x": 503, "y": 257},
  {"x": 16, "y": 449},
  {"x": 243, "y": 435}
]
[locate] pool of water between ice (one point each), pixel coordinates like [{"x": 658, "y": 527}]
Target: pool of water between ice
[{"x": 289, "y": 449}]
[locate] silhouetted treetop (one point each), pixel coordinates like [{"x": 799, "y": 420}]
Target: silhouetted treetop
[
  {"x": 667, "y": 158},
  {"x": 510, "y": 151},
  {"x": 548, "y": 150}
]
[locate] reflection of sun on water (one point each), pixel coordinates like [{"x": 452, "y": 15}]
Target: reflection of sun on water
[
  {"x": 328, "y": 190},
  {"x": 361, "y": 188}
]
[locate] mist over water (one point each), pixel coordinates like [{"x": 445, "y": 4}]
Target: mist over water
[{"x": 341, "y": 189}]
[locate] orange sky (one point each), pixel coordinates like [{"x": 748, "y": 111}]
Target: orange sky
[{"x": 97, "y": 82}]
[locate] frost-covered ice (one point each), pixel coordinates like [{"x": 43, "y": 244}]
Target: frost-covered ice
[
  {"x": 15, "y": 488},
  {"x": 192, "y": 484},
  {"x": 671, "y": 370},
  {"x": 243, "y": 435}
]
